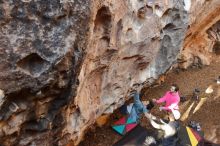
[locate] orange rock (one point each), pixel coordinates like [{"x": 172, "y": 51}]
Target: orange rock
[{"x": 102, "y": 120}]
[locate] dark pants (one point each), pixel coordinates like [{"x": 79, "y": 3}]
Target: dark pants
[
  {"x": 170, "y": 141},
  {"x": 123, "y": 109}
]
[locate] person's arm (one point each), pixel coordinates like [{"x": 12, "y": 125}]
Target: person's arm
[
  {"x": 162, "y": 99},
  {"x": 153, "y": 123}
]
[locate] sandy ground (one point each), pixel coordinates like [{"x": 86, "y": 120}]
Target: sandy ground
[{"x": 206, "y": 111}]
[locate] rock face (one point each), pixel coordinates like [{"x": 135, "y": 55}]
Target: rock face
[
  {"x": 64, "y": 63},
  {"x": 201, "y": 44},
  {"x": 41, "y": 49}
]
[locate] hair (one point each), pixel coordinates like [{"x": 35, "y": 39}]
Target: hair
[
  {"x": 176, "y": 87},
  {"x": 150, "y": 105},
  {"x": 141, "y": 94}
]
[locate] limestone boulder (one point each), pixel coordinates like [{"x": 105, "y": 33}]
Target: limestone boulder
[
  {"x": 201, "y": 44},
  {"x": 66, "y": 64}
]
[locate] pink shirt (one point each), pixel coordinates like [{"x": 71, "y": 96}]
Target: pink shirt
[{"x": 172, "y": 100}]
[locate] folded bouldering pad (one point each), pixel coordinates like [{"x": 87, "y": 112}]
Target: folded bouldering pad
[
  {"x": 139, "y": 136},
  {"x": 124, "y": 125}
]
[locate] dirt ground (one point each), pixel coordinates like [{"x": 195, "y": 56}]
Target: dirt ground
[{"x": 208, "y": 115}]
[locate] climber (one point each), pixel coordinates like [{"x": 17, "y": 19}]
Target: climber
[
  {"x": 170, "y": 128},
  {"x": 171, "y": 98},
  {"x": 138, "y": 107}
]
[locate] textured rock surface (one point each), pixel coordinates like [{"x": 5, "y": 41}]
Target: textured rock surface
[
  {"x": 131, "y": 44},
  {"x": 41, "y": 45},
  {"x": 65, "y": 63},
  {"x": 201, "y": 44}
]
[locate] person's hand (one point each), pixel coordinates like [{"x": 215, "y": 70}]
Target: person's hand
[
  {"x": 161, "y": 108},
  {"x": 145, "y": 102},
  {"x": 153, "y": 117},
  {"x": 148, "y": 115},
  {"x": 154, "y": 100},
  {"x": 162, "y": 121}
]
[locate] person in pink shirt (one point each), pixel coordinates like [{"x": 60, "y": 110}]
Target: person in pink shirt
[{"x": 171, "y": 99}]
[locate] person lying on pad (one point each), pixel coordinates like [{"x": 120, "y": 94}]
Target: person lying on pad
[
  {"x": 138, "y": 107},
  {"x": 171, "y": 98},
  {"x": 170, "y": 128}
]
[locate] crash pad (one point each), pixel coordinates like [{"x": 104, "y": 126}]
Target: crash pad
[
  {"x": 124, "y": 125},
  {"x": 138, "y": 136}
]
